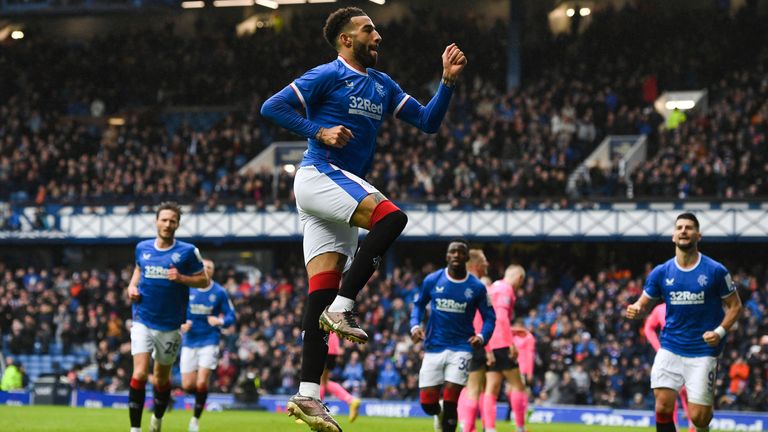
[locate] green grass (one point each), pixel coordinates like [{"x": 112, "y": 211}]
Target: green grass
[{"x": 65, "y": 419}]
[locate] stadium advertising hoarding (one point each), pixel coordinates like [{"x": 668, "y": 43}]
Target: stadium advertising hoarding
[{"x": 723, "y": 421}]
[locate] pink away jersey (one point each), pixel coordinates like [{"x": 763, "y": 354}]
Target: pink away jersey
[
  {"x": 526, "y": 350},
  {"x": 333, "y": 344},
  {"x": 503, "y": 300},
  {"x": 655, "y": 322}
]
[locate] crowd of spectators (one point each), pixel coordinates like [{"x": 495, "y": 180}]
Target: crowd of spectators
[
  {"x": 496, "y": 149},
  {"x": 586, "y": 351}
]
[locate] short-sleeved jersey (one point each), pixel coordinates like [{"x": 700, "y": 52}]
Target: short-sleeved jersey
[
  {"x": 453, "y": 306},
  {"x": 526, "y": 351},
  {"x": 163, "y": 304},
  {"x": 334, "y": 94},
  {"x": 502, "y": 297},
  {"x": 211, "y": 301},
  {"x": 694, "y": 303}
]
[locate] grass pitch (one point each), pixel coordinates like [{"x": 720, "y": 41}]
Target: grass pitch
[{"x": 66, "y": 419}]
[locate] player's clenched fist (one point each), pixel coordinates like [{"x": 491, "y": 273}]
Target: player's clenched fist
[
  {"x": 633, "y": 311},
  {"x": 173, "y": 274},
  {"x": 711, "y": 338},
  {"x": 417, "y": 334},
  {"x": 133, "y": 293},
  {"x": 337, "y": 136},
  {"x": 453, "y": 62}
]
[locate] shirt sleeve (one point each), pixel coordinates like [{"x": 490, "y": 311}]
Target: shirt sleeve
[
  {"x": 426, "y": 118},
  {"x": 420, "y": 301},
  {"x": 488, "y": 314},
  {"x": 652, "y": 286},
  {"x": 228, "y": 309},
  {"x": 310, "y": 89},
  {"x": 724, "y": 283},
  {"x": 194, "y": 262}
]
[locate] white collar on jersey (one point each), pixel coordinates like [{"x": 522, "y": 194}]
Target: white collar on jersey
[
  {"x": 350, "y": 67},
  {"x": 164, "y": 249},
  {"x": 456, "y": 280},
  {"x": 698, "y": 260}
]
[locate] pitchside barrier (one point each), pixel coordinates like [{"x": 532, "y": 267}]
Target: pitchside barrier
[{"x": 723, "y": 421}]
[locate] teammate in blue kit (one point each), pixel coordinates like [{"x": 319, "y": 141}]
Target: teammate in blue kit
[
  {"x": 696, "y": 289},
  {"x": 209, "y": 311},
  {"x": 455, "y": 296},
  {"x": 159, "y": 290},
  {"x": 345, "y": 102}
]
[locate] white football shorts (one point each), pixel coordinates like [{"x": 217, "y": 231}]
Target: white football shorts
[
  {"x": 326, "y": 198},
  {"x": 164, "y": 345},
  {"x": 697, "y": 374},
  {"x": 193, "y": 359},
  {"x": 445, "y": 366}
]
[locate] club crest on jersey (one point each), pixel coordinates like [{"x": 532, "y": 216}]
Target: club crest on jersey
[
  {"x": 380, "y": 89},
  {"x": 212, "y": 298},
  {"x": 439, "y": 289},
  {"x": 670, "y": 282},
  {"x": 175, "y": 257},
  {"x": 702, "y": 280},
  {"x": 146, "y": 256},
  {"x": 468, "y": 293}
]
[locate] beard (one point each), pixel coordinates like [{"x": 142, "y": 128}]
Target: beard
[
  {"x": 686, "y": 246},
  {"x": 363, "y": 54}
]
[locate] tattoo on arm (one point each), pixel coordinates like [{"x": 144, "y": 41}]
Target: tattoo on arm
[{"x": 379, "y": 197}]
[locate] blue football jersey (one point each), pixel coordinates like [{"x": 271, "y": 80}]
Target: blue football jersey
[
  {"x": 211, "y": 301},
  {"x": 453, "y": 306},
  {"x": 694, "y": 303},
  {"x": 163, "y": 304},
  {"x": 337, "y": 94}
]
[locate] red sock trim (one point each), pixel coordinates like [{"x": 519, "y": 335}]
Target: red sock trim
[
  {"x": 382, "y": 209},
  {"x": 138, "y": 385},
  {"x": 663, "y": 417},
  {"x": 325, "y": 280},
  {"x": 202, "y": 388},
  {"x": 166, "y": 387},
  {"x": 451, "y": 393},
  {"x": 429, "y": 396}
]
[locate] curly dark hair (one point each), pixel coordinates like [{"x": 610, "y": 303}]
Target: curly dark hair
[{"x": 336, "y": 22}]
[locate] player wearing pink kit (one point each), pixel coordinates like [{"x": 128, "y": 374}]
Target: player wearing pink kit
[
  {"x": 326, "y": 385},
  {"x": 502, "y": 353},
  {"x": 525, "y": 343},
  {"x": 655, "y": 322}
]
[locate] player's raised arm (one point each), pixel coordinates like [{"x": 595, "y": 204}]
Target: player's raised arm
[{"x": 428, "y": 118}]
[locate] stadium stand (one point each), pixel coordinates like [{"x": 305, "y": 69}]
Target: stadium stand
[{"x": 577, "y": 320}]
